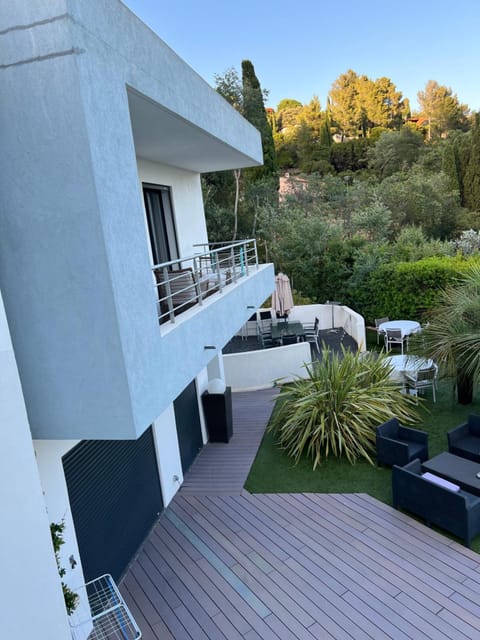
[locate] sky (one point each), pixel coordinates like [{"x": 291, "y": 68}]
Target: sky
[{"x": 299, "y": 49}]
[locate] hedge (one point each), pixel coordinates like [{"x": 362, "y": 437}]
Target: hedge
[{"x": 409, "y": 289}]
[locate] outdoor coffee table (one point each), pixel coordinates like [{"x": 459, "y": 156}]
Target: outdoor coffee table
[{"x": 459, "y": 470}]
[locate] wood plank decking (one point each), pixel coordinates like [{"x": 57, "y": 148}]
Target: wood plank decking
[
  {"x": 223, "y": 468},
  {"x": 299, "y": 567}
]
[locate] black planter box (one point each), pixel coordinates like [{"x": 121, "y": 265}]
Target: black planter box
[{"x": 217, "y": 408}]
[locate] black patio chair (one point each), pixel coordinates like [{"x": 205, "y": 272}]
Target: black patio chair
[
  {"x": 399, "y": 445},
  {"x": 464, "y": 440}
]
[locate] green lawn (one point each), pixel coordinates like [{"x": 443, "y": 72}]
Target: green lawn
[{"x": 274, "y": 472}]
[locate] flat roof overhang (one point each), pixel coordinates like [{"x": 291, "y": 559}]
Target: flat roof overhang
[{"x": 163, "y": 136}]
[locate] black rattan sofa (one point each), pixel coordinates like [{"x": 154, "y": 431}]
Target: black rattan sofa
[{"x": 455, "y": 511}]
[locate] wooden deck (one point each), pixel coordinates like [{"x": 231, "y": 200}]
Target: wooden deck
[
  {"x": 223, "y": 468},
  {"x": 298, "y": 567}
]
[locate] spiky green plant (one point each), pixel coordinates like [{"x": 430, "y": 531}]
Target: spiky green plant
[
  {"x": 452, "y": 337},
  {"x": 335, "y": 409}
]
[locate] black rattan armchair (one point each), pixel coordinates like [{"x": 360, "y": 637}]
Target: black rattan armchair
[
  {"x": 398, "y": 445},
  {"x": 464, "y": 440}
]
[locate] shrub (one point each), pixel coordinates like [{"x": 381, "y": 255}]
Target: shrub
[
  {"x": 335, "y": 410},
  {"x": 71, "y": 598},
  {"x": 410, "y": 289}
]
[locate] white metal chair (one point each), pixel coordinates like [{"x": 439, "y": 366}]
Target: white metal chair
[
  {"x": 394, "y": 337},
  {"x": 422, "y": 379},
  {"x": 378, "y": 322}
]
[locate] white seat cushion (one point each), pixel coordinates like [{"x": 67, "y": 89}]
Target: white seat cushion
[{"x": 446, "y": 484}]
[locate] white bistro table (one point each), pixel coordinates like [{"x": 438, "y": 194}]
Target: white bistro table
[
  {"x": 403, "y": 364},
  {"x": 407, "y": 327}
]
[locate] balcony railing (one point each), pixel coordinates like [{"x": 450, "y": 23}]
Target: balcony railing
[{"x": 186, "y": 282}]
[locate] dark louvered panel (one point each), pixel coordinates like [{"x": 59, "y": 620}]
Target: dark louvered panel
[
  {"x": 115, "y": 497},
  {"x": 189, "y": 430}
]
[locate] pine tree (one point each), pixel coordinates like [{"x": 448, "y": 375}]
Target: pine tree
[{"x": 254, "y": 112}]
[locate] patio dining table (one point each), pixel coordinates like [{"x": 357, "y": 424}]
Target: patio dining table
[
  {"x": 403, "y": 364},
  {"x": 286, "y": 329},
  {"x": 407, "y": 327}
]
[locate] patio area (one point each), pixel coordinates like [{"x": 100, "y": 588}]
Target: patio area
[{"x": 224, "y": 564}]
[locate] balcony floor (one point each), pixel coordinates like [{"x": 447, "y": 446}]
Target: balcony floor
[{"x": 225, "y": 564}]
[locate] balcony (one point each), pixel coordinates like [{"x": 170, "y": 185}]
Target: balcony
[{"x": 185, "y": 283}]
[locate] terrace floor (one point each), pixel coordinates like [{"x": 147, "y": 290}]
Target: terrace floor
[
  {"x": 333, "y": 339},
  {"x": 224, "y": 564}
]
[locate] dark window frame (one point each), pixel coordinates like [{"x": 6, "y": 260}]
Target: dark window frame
[{"x": 161, "y": 223}]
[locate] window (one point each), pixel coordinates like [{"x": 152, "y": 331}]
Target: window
[{"x": 161, "y": 223}]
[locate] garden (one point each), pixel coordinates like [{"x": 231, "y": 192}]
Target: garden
[{"x": 321, "y": 435}]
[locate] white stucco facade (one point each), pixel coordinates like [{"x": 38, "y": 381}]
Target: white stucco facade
[
  {"x": 93, "y": 105},
  {"x": 32, "y": 599}
]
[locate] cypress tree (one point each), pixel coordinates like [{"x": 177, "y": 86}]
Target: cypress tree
[
  {"x": 451, "y": 168},
  {"x": 254, "y": 112},
  {"x": 471, "y": 180}
]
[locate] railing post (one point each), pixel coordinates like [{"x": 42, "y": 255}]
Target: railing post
[
  {"x": 232, "y": 260},
  {"x": 168, "y": 290},
  {"x": 255, "y": 252},
  {"x": 217, "y": 269},
  {"x": 196, "y": 278}
]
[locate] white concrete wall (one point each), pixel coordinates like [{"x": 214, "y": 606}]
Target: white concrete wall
[
  {"x": 343, "y": 316},
  {"x": 259, "y": 369},
  {"x": 166, "y": 444},
  {"x": 187, "y": 201},
  {"x": 32, "y": 601},
  {"x": 168, "y": 454},
  {"x": 79, "y": 297}
]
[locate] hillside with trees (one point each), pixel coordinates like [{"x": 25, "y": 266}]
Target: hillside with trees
[{"x": 375, "y": 192}]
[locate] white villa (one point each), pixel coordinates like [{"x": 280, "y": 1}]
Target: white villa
[{"x": 105, "y": 132}]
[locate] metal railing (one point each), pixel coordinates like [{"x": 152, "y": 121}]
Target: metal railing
[{"x": 186, "y": 282}]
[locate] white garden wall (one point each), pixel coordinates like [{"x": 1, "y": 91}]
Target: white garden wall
[{"x": 260, "y": 369}]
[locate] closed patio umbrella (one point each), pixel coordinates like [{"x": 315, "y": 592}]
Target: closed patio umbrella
[{"x": 282, "y": 300}]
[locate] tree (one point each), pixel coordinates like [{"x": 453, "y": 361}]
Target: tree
[
  {"x": 442, "y": 108},
  {"x": 288, "y": 118},
  {"x": 344, "y": 105},
  {"x": 226, "y": 190},
  {"x": 394, "y": 151},
  {"x": 452, "y": 337},
  {"x": 229, "y": 86},
  {"x": 373, "y": 222},
  {"x": 382, "y": 105},
  {"x": 423, "y": 199},
  {"x": 471, "y": 179},
  {"x": 313, "y": 116},
  {"x": 288, "y": 103},
  {"x": 254, "y": 112},
  {"x": 359, "y": 104}
]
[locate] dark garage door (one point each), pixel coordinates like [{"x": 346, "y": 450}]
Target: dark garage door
[
  {"x": 189, "y": 430},
  {"x": 115, "y": 497}
]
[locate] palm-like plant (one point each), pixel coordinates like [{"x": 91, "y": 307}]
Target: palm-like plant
[
  {"x": 452, "y": 337},
  {"x": 336, "y": 408}
]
